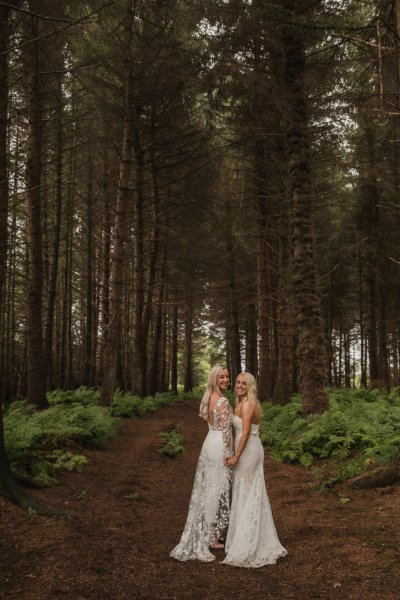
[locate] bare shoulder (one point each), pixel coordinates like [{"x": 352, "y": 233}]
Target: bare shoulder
[{"x": 248, "y": 407}]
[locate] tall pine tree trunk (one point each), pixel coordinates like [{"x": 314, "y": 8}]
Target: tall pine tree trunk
[
  {"x": 8, "y": 483},
  {"x": 48, "y": 338},
  {"x": 89, "y": 358},
  {"x": 264, "y": 366},
  {"x": 35, "y": 351},
  {"x": 120, "y": 228},
  {"x": 188, "y": 374},
  {"x": 251, "y": 339},
  {"x": 283, "y": 388},
  {"x": 233, "y": 304},
  {"x": 174, "y": 347},
  {"x": 311, "y": 346},
  {"x": 140, "y": 325}
]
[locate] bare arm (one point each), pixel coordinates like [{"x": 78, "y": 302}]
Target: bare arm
[
  {"x": 226, "y": 426},
  {"x": 247, "y": 415}
]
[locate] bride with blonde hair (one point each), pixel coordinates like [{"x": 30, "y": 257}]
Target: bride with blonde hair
[
  {"x": 208, "y": 514},
  {"x": 252, "y": 540}
]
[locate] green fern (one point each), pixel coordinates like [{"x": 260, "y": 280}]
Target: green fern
[
  {"x": 173, "y": 442},
  {"x": 360, "y": 429}
]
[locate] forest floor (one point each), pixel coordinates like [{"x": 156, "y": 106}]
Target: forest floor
[{"x": 128, "y": 507}]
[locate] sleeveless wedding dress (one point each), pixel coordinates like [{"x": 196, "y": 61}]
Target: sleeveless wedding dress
[
  {"x": 208, "y": 514},
  {"x": 252, "y": 540}
]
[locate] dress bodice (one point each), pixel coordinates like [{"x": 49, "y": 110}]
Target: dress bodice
[
  {"x": 222, "y": 415},
  {"x": 222, "y": 418},
  {"x": 238, "y": 426}
]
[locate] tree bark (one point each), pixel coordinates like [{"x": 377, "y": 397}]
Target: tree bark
[
  {"x": 112, "y": 343},
  {"x": 154, "y": 355},
  {"x": 4, "y": 191},
  {"x": 141, "y": 321},
  {"x": 233, "y": 304},
  {"x": 311, "y": 347},
  {"x": 36, "y": 378},
  {"x": 52, "y": 287},
  {"x": 251, "y": 339},
  {"x": 188, "y": 375},
  {"x": 7, "y": 481},
  {"x": 174, "y": 347},
  {"x": 106, "y": 241},
  {"x": 89, "y": 358},
  {"x": 264, "y": 356},
  {"x": 381, "y": 477}
]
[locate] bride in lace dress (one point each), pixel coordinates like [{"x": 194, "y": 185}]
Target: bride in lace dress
[
  {"x": 208, "y": 514},
  {"x": 252, "y": 540}
]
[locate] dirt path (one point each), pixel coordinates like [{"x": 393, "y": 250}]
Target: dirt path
[{"x": 116, "y": 547}]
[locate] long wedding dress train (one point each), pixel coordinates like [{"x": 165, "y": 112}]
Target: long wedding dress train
[
  {"x": 208, "y": 514},
  {"x": 252, "y": 540}
]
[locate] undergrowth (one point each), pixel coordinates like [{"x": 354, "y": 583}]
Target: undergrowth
[
  {"x": 41, "y": 444},
  {"x": 173, "y": 442},
  {"x": 127, "y": 405},
  {"x": 360, "y": 430}
]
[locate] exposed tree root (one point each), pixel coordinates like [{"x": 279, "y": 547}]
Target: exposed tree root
[
  {"x": 11, "y": 490},
  {"x": 381, "y": 477}
]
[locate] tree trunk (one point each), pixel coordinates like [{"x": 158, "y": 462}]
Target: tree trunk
[
  {"x": 112, "y": 343},
  {"x": 174, "y": 347},
  {"x": 7, "y": 482},
  {"x": 188, "y": 375},
  {"x": 370, "y": 228},
  {"x": 106, "y": 240},
  {"x": 35, "y": 352},
  {"x": 383, "y": 339},
  {"x": 140, "y": 326},
  {"x": 264, "y": 373},
  {"x": 88, "y": 358},
  {"x": 4, "y": 35},
  {"x": 363, "y": 362},
  {"x": 234, "y": 312},
  {"x": 154, "y": 365},
  {"x": 397, "y": 39},
  {"x": 283, "y": 388},
  {"x": 251, "y": 339},
  {"x": 52, "y": 287},
  {"x": 311, "y": 347}
]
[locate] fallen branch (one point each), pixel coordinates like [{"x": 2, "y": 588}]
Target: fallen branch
[{"x": 381, "y": 477}]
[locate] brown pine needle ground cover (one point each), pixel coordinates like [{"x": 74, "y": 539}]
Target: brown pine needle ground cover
[{"x": 128, "y": 507}]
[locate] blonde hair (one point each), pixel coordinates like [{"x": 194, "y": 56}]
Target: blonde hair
[
  {"x": 251, "y": 385},
  {"x": 212, "y": 387}
]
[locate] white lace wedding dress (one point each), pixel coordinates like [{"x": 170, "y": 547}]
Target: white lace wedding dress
[
  {"x": 252, "y": 540},
  {"x": 208, "y": 514}
]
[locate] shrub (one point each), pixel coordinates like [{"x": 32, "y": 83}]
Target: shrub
[
  {"x": 127, "y": 405},
  {"x": 36, "y": 440},
  {"x": 82, "y": 395},
  {"x": 360, "y": 429}
]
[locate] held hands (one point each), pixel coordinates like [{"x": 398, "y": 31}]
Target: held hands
[{"x": 231, "y": 462}]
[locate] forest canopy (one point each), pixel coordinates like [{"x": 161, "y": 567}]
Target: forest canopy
[{"x": 186, "y": 182}]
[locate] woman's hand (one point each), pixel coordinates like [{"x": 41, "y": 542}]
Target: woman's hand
[{"x": 231, "y": 462}]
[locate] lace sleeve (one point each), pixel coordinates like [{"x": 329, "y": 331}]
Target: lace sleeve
[{"x": 225, "y": 414}]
